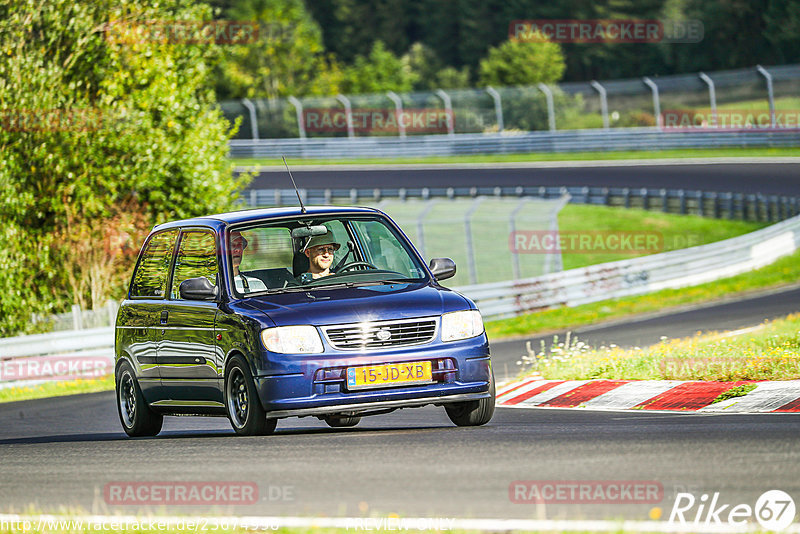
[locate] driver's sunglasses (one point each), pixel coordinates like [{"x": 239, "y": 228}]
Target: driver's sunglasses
[{"x": 322, "y": 249}]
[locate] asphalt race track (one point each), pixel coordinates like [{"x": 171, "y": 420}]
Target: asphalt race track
[
  {"x": 64, "y": 451},
  {"x": 414, "y": 463},
  {"x": 765, "y": 178}
]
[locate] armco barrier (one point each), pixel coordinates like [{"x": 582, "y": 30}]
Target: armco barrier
[
  {"x": 38, "y": 358},
  {"x": 560, "y": 141},
  {"x": 675, "y": 269}
]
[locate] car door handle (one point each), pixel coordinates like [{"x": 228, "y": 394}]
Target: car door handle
[{"x": 164, "y": 316}]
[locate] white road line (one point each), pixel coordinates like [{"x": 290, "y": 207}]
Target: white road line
[
  {"x": 631, "y": 394},
  {"x": 766, "y": 397},
  {"x": 265, "y": 523}
]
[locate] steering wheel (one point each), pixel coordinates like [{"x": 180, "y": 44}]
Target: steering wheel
[{"x": 356, "y": 264}]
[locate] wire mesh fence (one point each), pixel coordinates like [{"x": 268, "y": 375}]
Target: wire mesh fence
[{"x": 640, "y": 102}]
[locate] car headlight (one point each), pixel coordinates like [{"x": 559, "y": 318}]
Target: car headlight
[
  {"x": 302, "y": 339},
  {"x": 461, "y": 325}
]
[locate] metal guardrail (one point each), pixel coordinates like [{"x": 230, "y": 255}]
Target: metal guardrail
[
  {"x": 675, "y": 269},
  {"x": 751, "y": 207},
  {"x": 540, "y": 141},
  {"x": 637, "y": 276},
  {"x": 34, "y": 359}
]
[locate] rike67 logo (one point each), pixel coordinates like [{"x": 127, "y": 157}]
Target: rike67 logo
[{"x": 774, "y": 510}]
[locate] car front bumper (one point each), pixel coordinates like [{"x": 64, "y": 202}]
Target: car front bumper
[{"x": 317, "y": 385}]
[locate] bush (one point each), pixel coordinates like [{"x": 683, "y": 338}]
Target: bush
[{"x": 101, "y": 139}]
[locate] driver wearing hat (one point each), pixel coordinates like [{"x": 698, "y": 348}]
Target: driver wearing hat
[{"x": 320, "y": 252}]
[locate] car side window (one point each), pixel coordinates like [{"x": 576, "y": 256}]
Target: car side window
[
  {"x": 197, "y": 256},
  {"x": 150, "y": 279},
  {"x": 383, "y": 249}
]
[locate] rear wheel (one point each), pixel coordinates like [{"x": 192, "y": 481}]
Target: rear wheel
[
  {"x": 342, "y": 421},
  {"x": 245, "y": 412},
  {"x": 473, "y": 413},
  {"x": 135, "y": 415}
]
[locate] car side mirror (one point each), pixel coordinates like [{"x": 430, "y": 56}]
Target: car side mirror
[
  {"x": 198, "y": 289},
  {"x": 443, "y": 268}
]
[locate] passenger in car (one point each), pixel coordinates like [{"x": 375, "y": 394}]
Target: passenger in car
[{"x": 244, "y": 284}]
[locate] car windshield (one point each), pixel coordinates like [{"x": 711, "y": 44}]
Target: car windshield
[{"x": 319, "y": 253}]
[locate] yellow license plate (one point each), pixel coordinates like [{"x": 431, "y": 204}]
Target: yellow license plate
[{"x": 389, "y": 374}]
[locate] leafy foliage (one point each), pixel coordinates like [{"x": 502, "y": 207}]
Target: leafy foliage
[
  {"x": 522, "y": 63},
  {"x": 101, "y": 138}
]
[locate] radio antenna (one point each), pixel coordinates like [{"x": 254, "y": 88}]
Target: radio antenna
[{"x": 302, "y": 207}]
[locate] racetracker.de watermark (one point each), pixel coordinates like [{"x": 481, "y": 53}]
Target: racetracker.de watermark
[
  {"x": 607, "y": 31},
  {"x": 183, "y": 32},
  {"x": 55, "y": 368},
  {"x": 585, "y": 491},
  {"x": 597, "y": 242},
  {"x": 368, "y": 120},
  {"x": 194, "y": 493},
  {"x": 693, "y": 119},
  {"x": 52, "y": 120}
]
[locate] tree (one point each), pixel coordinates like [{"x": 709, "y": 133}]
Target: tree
[
  {"x": 379, "y": 72},
  {"x": 287, "y": 59},
  {"x": 108, "y": 127},
  {"x": 522, "y": 63}
]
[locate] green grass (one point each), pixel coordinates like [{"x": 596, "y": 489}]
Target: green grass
[
  {"x": 738, "y": 391},
  {"x": 783, "y": 272},
  {"x": 672, "y": 231},
  {"x": 57, "y": 389},
  {"x": 538, "y": 156},
  {"x": 768, "y": 352}
]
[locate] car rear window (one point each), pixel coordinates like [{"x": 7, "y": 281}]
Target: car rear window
[{"x": 150, "y": 279}]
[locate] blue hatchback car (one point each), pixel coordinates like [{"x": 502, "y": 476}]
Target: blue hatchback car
[{"x": 264, "y": 314}]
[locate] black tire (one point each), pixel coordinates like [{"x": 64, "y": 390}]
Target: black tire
[
  {"x": 245, "y": 412},
  {"x": 473, "y": 413},
  {"x": 135, "y": 415},
  {"x": 342, "y": 421}
]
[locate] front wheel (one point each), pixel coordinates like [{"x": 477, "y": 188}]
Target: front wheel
[
  {"x": 245, "y": 412},
  {"x": 135, "y": 415},
  {"x": 473, "y": 413}
]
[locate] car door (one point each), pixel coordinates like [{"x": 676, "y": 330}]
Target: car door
[
  {"x": 141, "y": 314},
  {"x": 190, "y": 368}
]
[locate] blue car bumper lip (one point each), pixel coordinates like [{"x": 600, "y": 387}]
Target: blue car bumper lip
[{"x": 356, "y": 408}]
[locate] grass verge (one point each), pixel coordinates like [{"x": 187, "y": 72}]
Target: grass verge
[
  {"x": 783, "y": 272},
  {"x": 767, "y": 352},
  {"x": 57, "y": 389},
  {"x": 539, "y": 156}
]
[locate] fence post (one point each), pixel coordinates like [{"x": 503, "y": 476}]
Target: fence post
[
  {"x": 664, "y": 201},
  {"x": 603, "y": 102},
  {"x": 298, "y": 109},
  {"x": 770, "y": 93},
  {"x": 253, "y": 118},
  {"x": 77, "y": 317},
  {"x": 656, "y": 101},
  {"x": 682, "y": 200},
  {"x": 645, "y": 199},
  {"x": 348, "y": 112},
  {"x": 512, "y": 224},
  {"x": 398, "y": 109},
  {"x": 551, "y": 112},
  {"x": 111, "y": 308},
  {"x": 448, "y": 109},
  {"x": 498, "y": 107},
  {"x": 712, "y": 96},
  {"x": 473, "y": 269},
  {"x": 420, "y": 230}
]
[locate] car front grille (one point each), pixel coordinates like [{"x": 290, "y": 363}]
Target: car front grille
[{"x": 360, "y": 336}]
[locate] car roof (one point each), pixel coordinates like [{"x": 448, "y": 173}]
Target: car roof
[{"x": 243, "y": 216}]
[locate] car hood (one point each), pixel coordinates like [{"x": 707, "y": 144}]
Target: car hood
[{"x": 357, "y": 304}]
